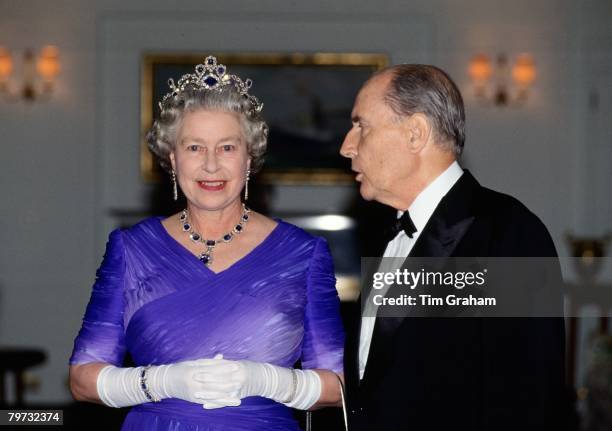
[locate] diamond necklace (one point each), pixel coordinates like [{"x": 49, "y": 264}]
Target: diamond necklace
[{"x": 206, "y": 256}]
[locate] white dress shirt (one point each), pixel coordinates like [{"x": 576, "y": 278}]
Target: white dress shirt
[{"x": 420, "y": 212}]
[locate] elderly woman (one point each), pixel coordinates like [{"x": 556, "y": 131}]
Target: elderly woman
[{"x": 217, "y": 303}]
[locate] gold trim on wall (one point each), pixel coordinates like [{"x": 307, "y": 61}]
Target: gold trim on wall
[{"x": 148, "y": 165}]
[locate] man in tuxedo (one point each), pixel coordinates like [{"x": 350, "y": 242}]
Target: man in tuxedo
[{"x": 442, "y": 373}]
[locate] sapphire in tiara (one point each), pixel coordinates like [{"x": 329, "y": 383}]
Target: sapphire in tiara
[
  {"x": 210, "y": 81},
  {"x": 210, "y": 75}
]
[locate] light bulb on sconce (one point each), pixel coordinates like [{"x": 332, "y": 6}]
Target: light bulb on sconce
[
  {"x": 38, "y": 74},
  {"x": 6, "y": 66},
  {"x": 523, "y": 73},
  {"x": 499, "y": 85}
]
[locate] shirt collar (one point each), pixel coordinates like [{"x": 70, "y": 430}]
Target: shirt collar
[{"x": 426, "y": 202}]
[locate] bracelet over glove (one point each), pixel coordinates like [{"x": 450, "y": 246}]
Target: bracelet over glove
[
  {"x": 214, "y": 383},
  {"x": 123, "y": 387}
]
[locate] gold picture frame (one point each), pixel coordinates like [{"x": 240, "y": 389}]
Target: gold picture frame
[{"x": 308, "y": 97}]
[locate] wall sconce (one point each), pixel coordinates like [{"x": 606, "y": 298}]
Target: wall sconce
[
  {"x": 523, "y": 73},
  {"x": 37, "y": 74}
]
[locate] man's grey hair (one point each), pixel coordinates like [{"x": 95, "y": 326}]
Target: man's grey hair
[{"x": 419, "y": 88}]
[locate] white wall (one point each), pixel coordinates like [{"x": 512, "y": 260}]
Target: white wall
[{"x": 66, "y": 162}]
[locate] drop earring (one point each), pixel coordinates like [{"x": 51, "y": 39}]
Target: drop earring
[
  {"x": 246, "y": 185},
  {"x": 174, "y": 187}
]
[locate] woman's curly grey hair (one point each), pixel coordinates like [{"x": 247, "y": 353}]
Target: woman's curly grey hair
[{"x": 161, "y": 138}]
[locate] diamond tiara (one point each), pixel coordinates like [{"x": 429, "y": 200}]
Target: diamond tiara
[{"x": 211, "y": 76}]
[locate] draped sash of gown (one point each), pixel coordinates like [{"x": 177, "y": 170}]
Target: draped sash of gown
[{"x": 156, "y": 300}]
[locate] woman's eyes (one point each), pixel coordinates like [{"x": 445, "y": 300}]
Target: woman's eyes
[{"x": 226, "y": 148}]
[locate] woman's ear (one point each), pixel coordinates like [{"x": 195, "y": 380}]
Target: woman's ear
[{"x": 172, "y": 161}]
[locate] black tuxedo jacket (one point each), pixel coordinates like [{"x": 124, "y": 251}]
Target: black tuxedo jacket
[{"x": 489, "y": 374}]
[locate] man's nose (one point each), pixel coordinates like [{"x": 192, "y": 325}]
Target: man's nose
[{"x": 348, "y": 148}]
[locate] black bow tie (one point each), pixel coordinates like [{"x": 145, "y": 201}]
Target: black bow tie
[{"x": 403, "y": 223}]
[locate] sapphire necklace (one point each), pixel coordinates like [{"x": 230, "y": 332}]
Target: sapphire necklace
[{"x": 206, "y": 256}]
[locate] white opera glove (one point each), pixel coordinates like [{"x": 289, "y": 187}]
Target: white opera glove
[
  {"x": 227, "y": 382},
  {"x": 122, "y": 387}
]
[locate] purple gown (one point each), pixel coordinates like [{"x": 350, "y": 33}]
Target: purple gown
[{"x": 157, "y": 301}]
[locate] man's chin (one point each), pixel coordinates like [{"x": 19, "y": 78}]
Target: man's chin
[{"x": 366, "y": 192}]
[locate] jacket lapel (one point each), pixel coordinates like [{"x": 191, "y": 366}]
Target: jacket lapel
[{"x": 446, "y": 227}]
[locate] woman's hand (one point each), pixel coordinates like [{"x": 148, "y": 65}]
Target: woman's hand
[
  {"x": 122, "y": 387},
  {"x": 179, "y": 381},
  {"x": 214, "y": 383},
  {"x": 228, "y": 382}
]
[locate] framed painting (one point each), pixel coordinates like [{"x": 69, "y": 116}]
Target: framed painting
[{"x": 307, "y": 104}]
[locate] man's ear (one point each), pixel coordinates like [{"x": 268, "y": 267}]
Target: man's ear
[{"x": 418, "y": 130}]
